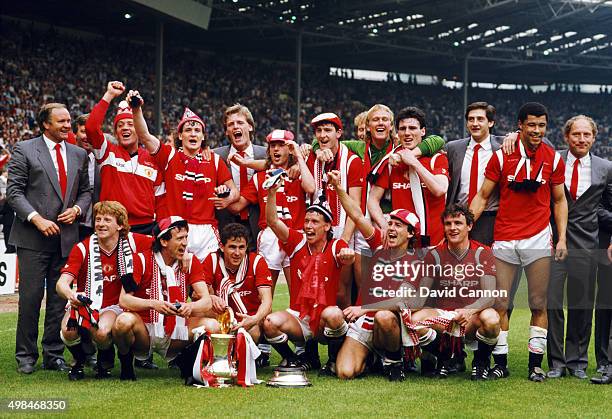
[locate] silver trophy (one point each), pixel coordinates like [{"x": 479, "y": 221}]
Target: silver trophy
[
  {"x": 223, "y": 366},
  {"x": 288, "y": 377}
]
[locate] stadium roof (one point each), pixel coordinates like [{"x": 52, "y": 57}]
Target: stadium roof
[{"x": 511, "y": 41}]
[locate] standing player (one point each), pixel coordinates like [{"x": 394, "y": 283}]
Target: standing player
[
  {"x": 528, "y": 179},
  {"x": 98, "y": 263},
  {"x": 239, "y": 279},
  {"x": 129, "y": 174},
  {"x": 466, "y": 293},
  {"x": 194, "y": 184},
  {"x": 283, "y": 153},
  {"x": 375, "y": 330},
  {"x": 316, "y": 260},
  {"x": 416, "y": 184},
  {"x": 156, "y": 297}
]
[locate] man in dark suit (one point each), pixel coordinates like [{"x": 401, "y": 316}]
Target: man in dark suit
[
  {"x": 603, "y": 305},
  {"x": 587, "y": 179},
  {"x": 239, "y": 127},
  {"x": 93, "y": 170},
  {"x": 48, "y": 187},
  {"x": 467, "y": 160}
]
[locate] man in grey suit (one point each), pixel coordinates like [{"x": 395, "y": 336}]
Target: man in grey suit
[
  {"x": 463, "y": 162},
  {"x": 48, "y": 187},
  {"x": 93, "y": 170},
  {"x": 588, "y": 179},
  {"x": 239, "y": 127}
]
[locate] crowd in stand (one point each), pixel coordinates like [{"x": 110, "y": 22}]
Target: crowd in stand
[{"x": 209, "y": 83}]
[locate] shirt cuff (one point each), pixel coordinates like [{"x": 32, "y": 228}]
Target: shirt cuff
[
  {"x": 31, "y": 215},
  {"x": 80, "y": 210}
]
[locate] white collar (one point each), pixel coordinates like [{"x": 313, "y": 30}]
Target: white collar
[
  {"x": 51, "y": 144},
  {"x": 248, "y": 151},
  {"x": 584, "y": 161},
  {"x": 485, "y": 144}
]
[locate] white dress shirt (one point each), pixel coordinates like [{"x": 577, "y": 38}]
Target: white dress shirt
[
  {"x": 584, "y": 173},
  {"x": 235, "y": 169},
  {"x": 484, "y": 155}
]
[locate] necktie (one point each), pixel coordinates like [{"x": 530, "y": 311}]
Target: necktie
[
  {"x": 474, "y": 175},
  {"x": 61, "y": 169},
  {"x": 574, "y": 183},
  {"x": 244, "y": 180}
]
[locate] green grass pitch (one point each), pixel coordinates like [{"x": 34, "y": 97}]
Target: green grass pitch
[{"x": 162, "y": 394}]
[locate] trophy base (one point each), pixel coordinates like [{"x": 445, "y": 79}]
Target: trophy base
[{"x": 288, "y": 377}]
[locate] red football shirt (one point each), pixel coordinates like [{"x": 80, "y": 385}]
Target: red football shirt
[
  {"x": 173, "y": 164},
  {"x": 257, "y": 276},
  {"x": 302, "y": 261},
  {"x": 77, "y": 262},
  {"x": 290, "y": 200},
  {"x": 130, "y": 180},
  {"x": 354, "y": 179},
  {"x": 524, "y": 214},
  {"x": 396, "y": 179},
  {"x": 463, "y": 275},
  {"x": 143, "y": 275}
]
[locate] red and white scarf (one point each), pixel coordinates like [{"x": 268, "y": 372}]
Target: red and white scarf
[
  {"x": 176, "y": 289},
  {"x": 410, "y": 339}
]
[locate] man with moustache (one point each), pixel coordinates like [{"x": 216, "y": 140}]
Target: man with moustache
[
  {"x": 239, "y": 129},
  {"x": 528, "y": 179}
]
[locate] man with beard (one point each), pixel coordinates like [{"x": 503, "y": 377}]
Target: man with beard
[
  {"x": 528, "y": 179},
  {"x": 156, "y": 299},
  {"x": 195, "y": 186},
  {"x": 316, "y": 260},
  {"x": 97, "y": 264},
  {"x": 379, "y": 330},
  {"x": 416, "y": 184},
  {"x": 129, "y": 174},
  {"x": 239, "y": 129}
]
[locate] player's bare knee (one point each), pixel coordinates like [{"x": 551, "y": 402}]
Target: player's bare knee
[
  {"x": 102, "y": 334},
  {"x": 70, "y": 334},
  {"x": 124, "y": 323},
  {"x": 271, "y": 325},
  {"x": 333, "y": 317},
  {"x": 385, "y": 320},
  {"x": 537, "y": 302},
  {"x": 490, "y": 321}
]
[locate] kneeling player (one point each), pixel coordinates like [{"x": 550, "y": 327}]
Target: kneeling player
[
  {"x": 377, "y": 331},
  {"x": 156, "y": 297},
  {"x": 464, "y": 285},
  {"x": 98, "y": 263},
  {"x": 240, "y": 280},
  {"x": 316, "y": 260}
]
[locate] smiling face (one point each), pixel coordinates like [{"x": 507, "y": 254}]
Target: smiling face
[
  {"x": 328, "y": 135},
  {"x": 58, "y": 125},
  {"x": 398, "y": 235},
  {"x": 191, "y": 136},
  {"x": 410, "y": 132},
  {"x": 456, "y": 231},
  {"x": 580, "y": 138},
  {"x": 81, "y": 139},
  {"x": 106, "y": 226},
  {"x": 380, "y": 125},
  {"x": 315, "y": 227},
  {"x": 279, "y": 153},
  {"x": 238, "y": 130},
  {"x": 177, "y": 244},
  {"x": 126, "y": 133},
  {"x": 234, "y": 251},
  {"x": 478, "y": 124},
  {"x": 533, "y": 130}
]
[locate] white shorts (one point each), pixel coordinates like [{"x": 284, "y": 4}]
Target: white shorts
[
  {"x": 202, "y": 240},
  {"x": 524, "y": 252},
  {"x": 361, "y": 330},
  {"x": 267, "y": 246},
  {"x": 306, "y": 332},
  {"x": 115, "y": 308},
  {"x": 159, "y": 345}
]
